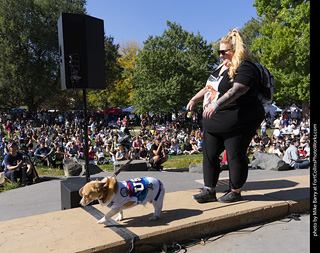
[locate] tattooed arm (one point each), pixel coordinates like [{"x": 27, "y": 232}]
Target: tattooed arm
[{"x": 232, "y": 94}]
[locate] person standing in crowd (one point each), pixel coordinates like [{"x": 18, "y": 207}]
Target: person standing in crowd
[
  {"x": 125, "y": 121},
  {"x": 263, "y": 127},
  {"x": 9, "y": 128},
  {"x": 119, "y": 123},
  {"x": 232, "y": 113}
]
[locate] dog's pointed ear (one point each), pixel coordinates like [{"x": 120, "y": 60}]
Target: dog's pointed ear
[
  {"x": 105, "y": 180},
  {"x": 106, "y": 183},
  {"x": 80, "y": 192},
  {"x": 114, "y": 179}
]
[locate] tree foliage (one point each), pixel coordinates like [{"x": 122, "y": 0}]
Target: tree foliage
[
  {"x": 170, "y": 69},
  {"x": 121, "y": 95},
  {"x": 283, "y": 46},
  {"x": 29, "y": 60},
  {"x": 120, "y": 66},
  {"x": 250, "y": 32},
  {"x": 162, "y": 75}
]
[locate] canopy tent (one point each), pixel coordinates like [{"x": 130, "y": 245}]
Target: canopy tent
[
  {"x": 113, "y": 110},
  {"x": 128, "y": 109},
  {"x": 293, "y": 108},
  {"x": 272, "y": 109}
]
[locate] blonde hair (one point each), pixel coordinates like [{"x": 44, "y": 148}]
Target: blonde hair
[{"x": 235, "y": 40}]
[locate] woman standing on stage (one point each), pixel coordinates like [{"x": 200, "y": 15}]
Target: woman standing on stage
[{"x": 232, "y": 113}]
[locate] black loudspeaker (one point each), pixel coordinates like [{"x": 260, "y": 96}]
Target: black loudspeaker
[
  {"x": 70, "y": 197},
  {"x": 82, "y": 54}
]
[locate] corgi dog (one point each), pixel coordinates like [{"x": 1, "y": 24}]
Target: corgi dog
[{"x": 122, "y": 195}]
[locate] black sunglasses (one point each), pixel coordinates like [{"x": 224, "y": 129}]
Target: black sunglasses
[{"x": 223, "y": 51}]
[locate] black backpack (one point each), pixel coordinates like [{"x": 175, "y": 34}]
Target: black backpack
[{"x": 266, "y": 85}]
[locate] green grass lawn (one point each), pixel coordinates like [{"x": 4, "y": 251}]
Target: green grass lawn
[
  {"x": 182, "y": 161},
  {"x": 174, "y": 162}
]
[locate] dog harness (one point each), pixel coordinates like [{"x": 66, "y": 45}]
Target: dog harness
[{"x": 139, "y": 190}]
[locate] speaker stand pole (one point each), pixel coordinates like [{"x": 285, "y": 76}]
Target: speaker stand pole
[{"x": 86, "y": 148}]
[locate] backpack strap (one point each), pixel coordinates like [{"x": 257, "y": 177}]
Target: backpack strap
[{"x": 217, "y": 68}]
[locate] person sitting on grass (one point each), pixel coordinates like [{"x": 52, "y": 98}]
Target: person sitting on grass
[
  {"x": 101, "y": 157},
  {"x": 187, "y": 148},
  {"x": 136, "y": 144},
  {"x": 73, "y": 151},
  {"x": 291, "y": 156},
  {"x": 194, "y": 146},
  {"x": 16, "y": 167},
  {"x": 134, "y": 153},
  {"x": 175, "y": 148},
  {"x": 58, "y": 155},
  {"x": 42, "y": 153},
  {"x": 122, "y": 154},
  {"x": 274, "y": 149},
  {"x": 92, "y": 155},
  {"x": 143, "y": 155},
  {"x": 110, "y": 150}
]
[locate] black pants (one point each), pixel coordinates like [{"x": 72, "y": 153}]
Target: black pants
[
  {"x": 236, "y": 144},
  {"x": 14, "y": 175}
]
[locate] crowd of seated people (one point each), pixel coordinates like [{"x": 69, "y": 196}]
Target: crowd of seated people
[
  {"x": 290, "y": 135},
  {"x": 48, "y": 138}
]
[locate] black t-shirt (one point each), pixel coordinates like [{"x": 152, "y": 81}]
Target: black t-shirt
[
  {"x": 155, "y": 147},
  {"x": 12, "y": 160},
  {"x": 143, "y": 154},
  {"x": 246, "y": 111},
  {"x": 187, "y": 147}
]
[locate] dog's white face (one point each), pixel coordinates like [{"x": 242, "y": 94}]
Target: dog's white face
[{"x": 97, "y": 189}]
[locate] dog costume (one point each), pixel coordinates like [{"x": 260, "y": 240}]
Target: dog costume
[{"x": 139, "y": 190}]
